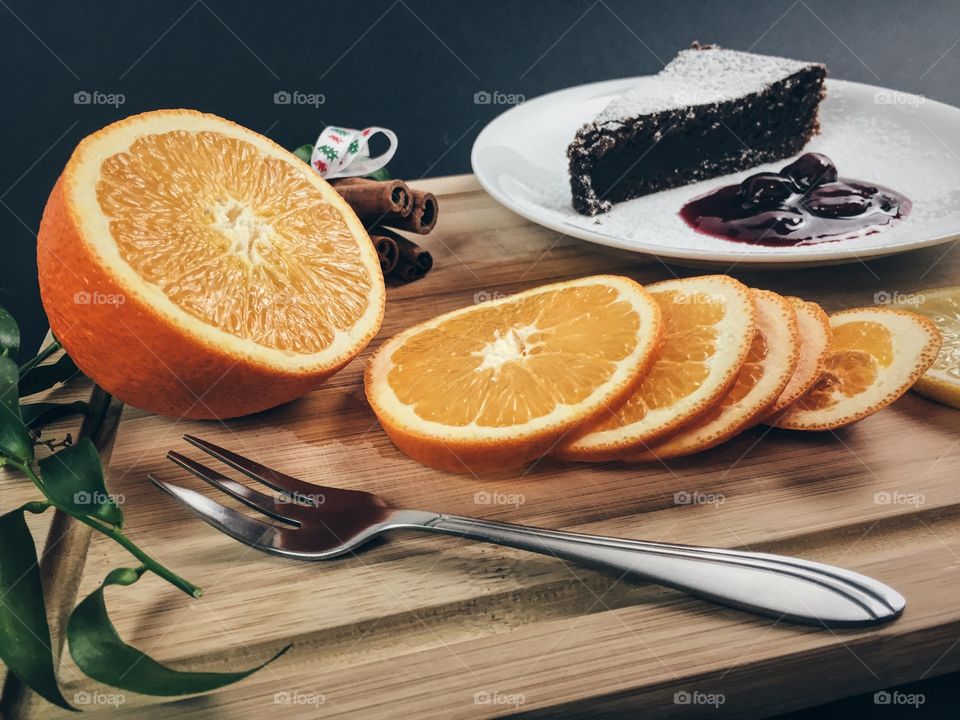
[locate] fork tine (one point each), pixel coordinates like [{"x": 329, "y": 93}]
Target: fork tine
[
  {"x": 249, "y": 497},
  {"x": 249, "y": 531},
  {"x": 304, "y": 491}
]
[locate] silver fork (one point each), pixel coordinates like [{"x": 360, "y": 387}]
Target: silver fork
[{"x": 316, "y": 522}]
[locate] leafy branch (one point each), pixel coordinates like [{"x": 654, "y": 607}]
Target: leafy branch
[{"x": 70, "y": 480}]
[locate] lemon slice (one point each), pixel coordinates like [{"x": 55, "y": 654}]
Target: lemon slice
[{"x": 942, "y": 381}]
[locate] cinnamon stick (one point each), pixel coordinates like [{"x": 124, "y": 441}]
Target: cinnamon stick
[
  {"x": 387, "y": 251},
  {"x": 422, "y": 217},
  {"x": 372, "y": 200},
  {"x": 413, "y": 262}
]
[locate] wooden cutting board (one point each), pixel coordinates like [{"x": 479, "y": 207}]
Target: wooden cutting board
[{"x": 422, "y": 627}]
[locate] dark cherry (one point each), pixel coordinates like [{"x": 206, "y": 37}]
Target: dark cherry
[
  {"x": 811, "y": 169},
  {"x": 839, "y": 200},
  {"x": 766, "y": 188},
  {"x": 804, "y": 203}
]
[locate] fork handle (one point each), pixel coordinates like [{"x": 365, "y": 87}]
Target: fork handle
[{"x": 773, "y": 585}]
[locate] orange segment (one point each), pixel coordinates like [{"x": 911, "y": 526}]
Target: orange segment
[
  {"x": 498, "y": 384},
  {"x": 875, "y": 356},
  {"x": 846, "y": 374},
  {"x": 814, "y": 327},
  {"x": 221, "y": 274},
  {"x": 868, "y": 336},
  {"x": 771, "y": 361},
  {"x": 709, "y": 323}
]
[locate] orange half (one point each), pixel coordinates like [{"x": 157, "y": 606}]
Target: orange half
[{"x": 195, "y": 268}]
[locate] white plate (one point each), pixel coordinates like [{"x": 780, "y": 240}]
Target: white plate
[{"x": 902, "y": 141}]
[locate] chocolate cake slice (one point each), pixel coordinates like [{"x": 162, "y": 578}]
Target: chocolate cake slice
[{"x": 709, "y": 112}]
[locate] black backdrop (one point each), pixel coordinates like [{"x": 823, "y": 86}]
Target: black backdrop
[{"x": 411, "y": 65}]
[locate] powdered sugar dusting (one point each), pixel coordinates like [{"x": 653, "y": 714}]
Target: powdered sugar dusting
[{"x": 699, "y": 77}]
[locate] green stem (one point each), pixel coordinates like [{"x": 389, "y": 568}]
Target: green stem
[
  {"x": 24, "y": 467},
  {"x": 117, "y": 536},
  {"x": 148, "y": 562},
  {"x": 40, "y": 357}
]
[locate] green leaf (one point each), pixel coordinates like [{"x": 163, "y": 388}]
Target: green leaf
[
  {"x": 101, "y": 654},
  {"x": 15, "y": 441},
  {"x": 41, "y": 413},
  {"x": 43, "y": 377},
  {"x": 381, "y": 174},
  {"x": 24, "y": 633},
  {"x": 304, "y": 152},
  {"x": 9, "y": 334},
  {"x": 73, "y": 478}
]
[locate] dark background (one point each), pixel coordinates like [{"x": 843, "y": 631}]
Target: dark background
[{"x": 410, "y": 65}]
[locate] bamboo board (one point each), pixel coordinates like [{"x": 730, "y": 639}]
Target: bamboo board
[{"x": 435, "y": 627}]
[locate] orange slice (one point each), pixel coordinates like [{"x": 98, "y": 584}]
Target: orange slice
[
  {"x": 876, "y": 354},
  {"x": 498, "y": 384},
  {"x": 774, "y": 354},
  {"x": 195, "y": 268},
  {"x": 814, "y": 327},
  {"x": 709, "y": 323}
]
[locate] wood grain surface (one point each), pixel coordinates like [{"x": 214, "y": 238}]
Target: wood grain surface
[{"x": 435, "y": 627}]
